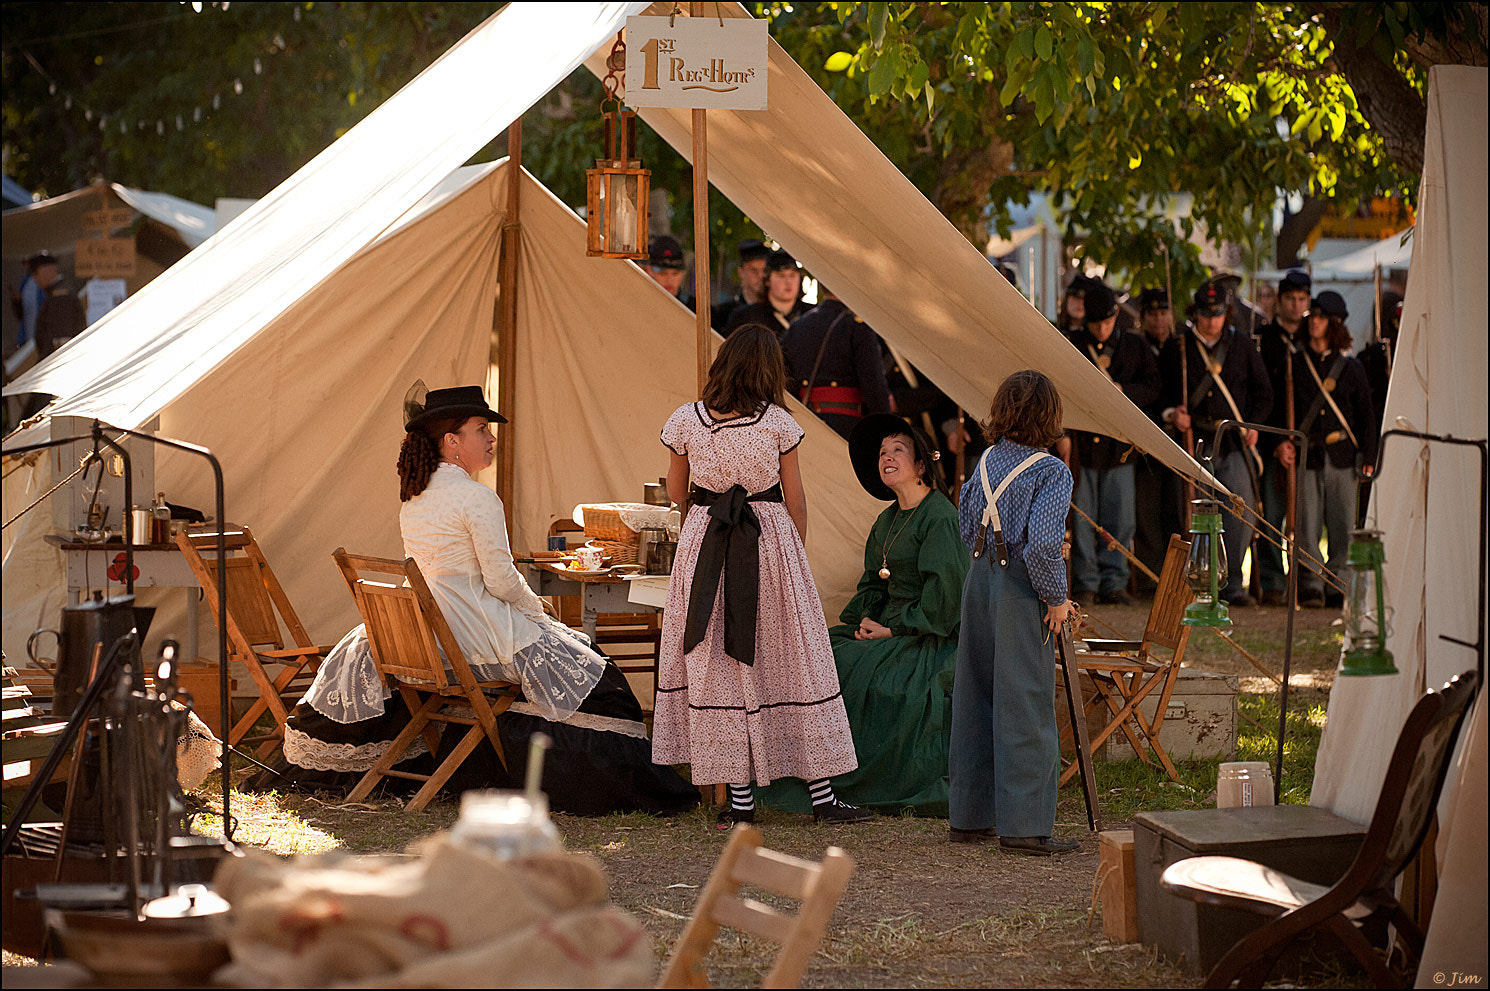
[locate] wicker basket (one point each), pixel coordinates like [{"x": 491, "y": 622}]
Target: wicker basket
[{"x": 604, "y": 526}]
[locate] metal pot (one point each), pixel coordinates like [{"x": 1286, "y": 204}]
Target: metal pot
[{"x": 655, "y": 493}]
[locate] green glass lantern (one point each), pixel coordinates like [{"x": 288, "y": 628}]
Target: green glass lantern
[
  {"x": 1366, "y": 615},
  {"x": 1205, "y": 572}
]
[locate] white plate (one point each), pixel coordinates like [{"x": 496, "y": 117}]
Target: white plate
[{"x": 597, "y": 571}]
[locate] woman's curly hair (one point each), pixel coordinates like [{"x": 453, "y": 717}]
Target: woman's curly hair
[{"x": 420, "y": 454}]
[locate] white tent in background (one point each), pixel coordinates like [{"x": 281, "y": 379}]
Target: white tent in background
[
  {"x": 1424, "y": 501},
  {"x": 1360, "y": 265},
  {"x": 285, "y": 343}
]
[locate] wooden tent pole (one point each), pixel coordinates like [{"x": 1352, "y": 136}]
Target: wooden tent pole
[
  {"x": 505, "y": 350},
  {"x": 701, "y": 243},
  {"x": 701, "y": 296}
]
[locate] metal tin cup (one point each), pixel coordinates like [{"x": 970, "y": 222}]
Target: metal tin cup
[{"x": 141, "y": 523}]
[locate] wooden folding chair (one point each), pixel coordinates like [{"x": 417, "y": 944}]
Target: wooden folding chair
[
  {"x": 1123, "y": 682},
  {"x": 818, "y": 886},
  {"x": 257, "y": 606},
  {"x": 406, "y": 632}
]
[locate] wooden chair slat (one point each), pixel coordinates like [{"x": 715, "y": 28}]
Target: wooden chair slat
[
  {"x": 751, "y": 916},
  {"x": 777, "y": 873}
]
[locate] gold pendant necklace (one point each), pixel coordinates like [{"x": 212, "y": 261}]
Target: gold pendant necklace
[{"x": 884, "y": 571}]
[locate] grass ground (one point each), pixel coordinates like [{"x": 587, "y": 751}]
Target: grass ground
[{"x": 919, "y": 911}]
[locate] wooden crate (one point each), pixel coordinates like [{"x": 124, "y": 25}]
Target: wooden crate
[{"x": 1119, "y": 887}]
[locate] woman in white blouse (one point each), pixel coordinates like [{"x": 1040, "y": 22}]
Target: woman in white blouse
[{"x": 455, "y": 530}]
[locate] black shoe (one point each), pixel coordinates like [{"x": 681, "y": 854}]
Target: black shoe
[
  {"x": 1334, "y": 600},
  {"x": 1311, "y": 599},
  {"x": 1084, "y": 596},
  {"x": 1240, "y": 600},
  {"x": 1038, "y": 846},
  {"x": 733, "y": 815},
  {"x": 1274, "y": 597},
  {"x": 956, "y": 835},
  {"x": 840, "y": 814},
  {"x": 1117, "y": 597}
]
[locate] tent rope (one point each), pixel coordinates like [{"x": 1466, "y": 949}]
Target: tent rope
[
  {"x": 1259, "y": 523},
  {"x": 88, "y": 461}
]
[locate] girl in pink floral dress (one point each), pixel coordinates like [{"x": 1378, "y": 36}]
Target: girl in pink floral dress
[{"x": 747, "y": 691}]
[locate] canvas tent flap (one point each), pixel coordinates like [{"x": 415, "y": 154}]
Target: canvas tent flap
[
  {"x": 604, "y": 356},
  {"x": 1422, "y": 495},
  {"x": 134, "y": 362},
  {"x": 805, "y": 173}
]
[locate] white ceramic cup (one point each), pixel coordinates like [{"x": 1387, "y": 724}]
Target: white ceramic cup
[{"x": 589, "y": 557}]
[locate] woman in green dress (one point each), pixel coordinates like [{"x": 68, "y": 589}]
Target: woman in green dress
[{"x": 896, "y": 643}]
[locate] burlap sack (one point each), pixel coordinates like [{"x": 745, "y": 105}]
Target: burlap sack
[{"x": 447, "y": 917}]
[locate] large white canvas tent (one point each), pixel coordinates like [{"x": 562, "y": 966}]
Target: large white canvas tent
[
  {"x": 1425, "y": 502},
  {"x": 286, "y": 342}
]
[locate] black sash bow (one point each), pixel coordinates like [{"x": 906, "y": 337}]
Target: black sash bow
[{"x": 731, "y": 545}]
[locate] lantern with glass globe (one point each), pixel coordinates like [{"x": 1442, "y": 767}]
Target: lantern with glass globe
[
  {"x": 1205, "y": 572},
  {"x": 1366, "y": 614}
]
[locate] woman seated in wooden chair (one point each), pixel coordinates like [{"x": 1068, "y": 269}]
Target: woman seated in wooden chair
[
  {"x": 896, "y": 643},
  {"x": 455, "y": 530}
]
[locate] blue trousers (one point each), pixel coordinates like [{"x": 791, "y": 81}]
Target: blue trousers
[
  {"x": 1275, "y": 511},
  {"x": 1005, "y": 755},
  {"x": 1107, "y": 496},
  {"x": 1327, "y": 502},
  {"x": 1231, "y": 470}
]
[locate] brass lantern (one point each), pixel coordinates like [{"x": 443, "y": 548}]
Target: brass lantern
[{"x": 618, "y": 191}]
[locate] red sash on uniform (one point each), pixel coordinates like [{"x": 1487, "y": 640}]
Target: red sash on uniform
[{"x": 845, "y": 400}]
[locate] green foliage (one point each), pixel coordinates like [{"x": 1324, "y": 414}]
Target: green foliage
[
  {"x": 218, "y": 103},
  {"x": 1110, "y": 107}
]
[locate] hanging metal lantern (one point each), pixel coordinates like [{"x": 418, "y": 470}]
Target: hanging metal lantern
[
  {"x": 1366, "y": 616},
  {"x": 618, "y": 193},
  {"x": 618, "y": 190},
  {"x": 1205, "y": 571}
]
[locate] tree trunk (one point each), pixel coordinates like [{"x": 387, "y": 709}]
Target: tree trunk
[{"x": 1295, "y": 231}]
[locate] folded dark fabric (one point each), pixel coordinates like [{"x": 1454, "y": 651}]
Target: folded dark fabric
[{"x": 731, "y": 546}]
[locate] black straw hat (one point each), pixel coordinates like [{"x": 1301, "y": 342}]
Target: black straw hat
[
  {"x": 422, "y": 405},
  {"x": 864, "y": 451}
]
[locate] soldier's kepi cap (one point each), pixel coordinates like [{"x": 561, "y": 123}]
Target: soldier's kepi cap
[
  {"x": 778, "y": 260},
  {"x": 1210, "y": 300},
  {"x": 1100, "y": 302},
  {"x": 39, "y": 259},
  {"x": 1153, "y": 299},
  {"x": 1331, "y": 304},
  {"x": 666, "y": 252},
  {"x": 1295, "y": 280},
  {"x": 752, "y": 249},
  {"x": 1078, "y": 286}
]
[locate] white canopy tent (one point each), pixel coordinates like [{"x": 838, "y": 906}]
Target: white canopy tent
[
  {"x": 1424, "y": 501},
  {"x": 286, "y": 341}
]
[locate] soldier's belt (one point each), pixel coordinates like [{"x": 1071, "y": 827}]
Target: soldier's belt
[{"x": 845, "y": 400}]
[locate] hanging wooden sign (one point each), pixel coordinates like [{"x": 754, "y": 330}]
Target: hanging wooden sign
[
  {"x": 104, "y": 258},
  {"x": 696, "y": 63},
  {"x": 103, "y": 221}
]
